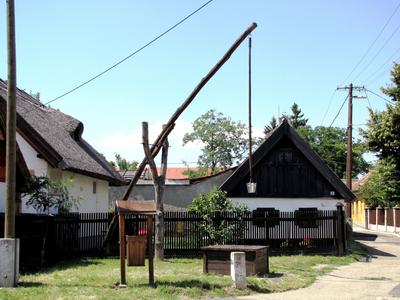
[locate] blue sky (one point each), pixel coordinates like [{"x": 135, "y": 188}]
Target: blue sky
[{"x": 302, "y": 50}]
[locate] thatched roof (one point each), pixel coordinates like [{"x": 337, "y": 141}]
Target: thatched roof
[{"x": 57, "y": 137}]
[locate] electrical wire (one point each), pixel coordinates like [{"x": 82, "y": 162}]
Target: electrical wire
[
  {"x": 377, "y": 53},
  {"x": 383, "y": 98},
  {"x": 130, "y": 55},
  {"x": 340, "y": 109},
  {"x": 373, "y": 43},
  {"x": 329, "y": 106},
  {"x": 381, "y": 66},
  {"x": 384, "y": 72}
]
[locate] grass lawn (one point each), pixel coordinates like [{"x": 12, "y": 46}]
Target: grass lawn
[{"x": 94, "y": 278}]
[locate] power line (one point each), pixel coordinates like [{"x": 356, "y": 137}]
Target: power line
[
  {"x": 383, "y": 98},
  {"x": 381, "y": 66},
  {"x": 130, "y": 55},
  {"x": 329, "y": 106},
  {"x": 379, "y": 51},
  {"x": 373, "y": 43},
  {"x": 384, "y": 72},
  {"x": 340, "y": 109}
]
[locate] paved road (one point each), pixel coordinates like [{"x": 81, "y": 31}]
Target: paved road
[{"x": 377, "y": 279}]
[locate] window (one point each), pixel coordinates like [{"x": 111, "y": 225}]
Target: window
[
  {"x": 265, "y": 217},
  {"x": 306, "y": 217},
  {"x": 94, "y": 187}
]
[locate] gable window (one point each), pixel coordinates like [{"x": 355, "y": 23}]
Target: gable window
[
  {"x": 306, "y": 217},
  {"x": 94, "y": 187},
  {"x": 265, "y": 217}
]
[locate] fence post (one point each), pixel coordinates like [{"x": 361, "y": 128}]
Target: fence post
[
  {"x": 340, "y": 230},
  {"x": 376, "y": 218},
  {"x": 366, "y": 219},
  {"x": 394, "y": 218},
  {"x": 385, "y": 218}
]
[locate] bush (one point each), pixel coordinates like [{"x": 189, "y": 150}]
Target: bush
[{"x": 210, "y": 206}]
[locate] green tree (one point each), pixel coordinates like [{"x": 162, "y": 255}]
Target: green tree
[
  {"x": 223, "y": 141},
  {"x": 383, "y": 187},
  {"x": 393, "y": 90},
  {"x": 44, "y": 194},
  {"x": 123, "y": 164},
  {"x": 383, "y": 138},
  {"x": 270, "y": 126},
  {"x": 210, "y": 206},
  {"x": 330, "y": 144},
  {"x": 297, "y": 117}
]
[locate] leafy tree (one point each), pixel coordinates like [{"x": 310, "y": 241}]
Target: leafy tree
[
  {"x": 44, "y": 194},
  {"x": 330, "y": 144},
  {"x": 271, "y": 126},
  {"x": 123, "y": 164},
  {"x": 382, "y": 188},
  {"x": 210, "y": 206},
  {"x": 194, "y": 173},
  {"x": 393, "y": 90},
  {"x": 297, "y": 118},
  {"x": 223, "y": 141},
  {"x": 383, "y": 138}
]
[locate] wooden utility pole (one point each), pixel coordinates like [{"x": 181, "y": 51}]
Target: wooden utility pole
[
  {"x": 349, "y": 157},
  {"x": 9, "y": 245},
  {"x": 9, "y": 222}
]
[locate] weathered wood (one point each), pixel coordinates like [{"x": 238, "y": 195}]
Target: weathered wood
[
  {"x": 160, "y": 139},
  {"x": 122, "y": 245},
  {"x": 171, "y": 122},
  {"x": 217, "y": 260},
  {"x": 150, "y": 248}
]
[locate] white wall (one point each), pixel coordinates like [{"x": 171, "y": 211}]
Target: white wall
[
  {"x": 37, "y": 166},
  {"x": 288, "y": 204},
  {"x": 82, "y": 186}
]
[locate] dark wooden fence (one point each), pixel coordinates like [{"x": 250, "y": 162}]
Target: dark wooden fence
[{"x": 77, "y": 234}]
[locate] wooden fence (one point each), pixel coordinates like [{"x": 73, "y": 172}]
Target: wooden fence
[
  {"x": 78, "y": 234},
  {"x": 383, "y": 219}
]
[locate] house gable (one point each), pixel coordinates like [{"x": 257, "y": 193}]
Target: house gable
[{"x": 286, "y": 166}]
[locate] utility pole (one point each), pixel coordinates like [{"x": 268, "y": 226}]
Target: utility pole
[
  {"x": 9, "y": 246},
  {"x": 349, "y": 158}
]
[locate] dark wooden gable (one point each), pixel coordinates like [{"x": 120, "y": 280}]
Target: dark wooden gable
[{"x": 286, "y": 166}]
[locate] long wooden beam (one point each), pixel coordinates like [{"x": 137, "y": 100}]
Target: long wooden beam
[
  {"x": 159, "y": 141},
  {"x": 171, "y": 122}
]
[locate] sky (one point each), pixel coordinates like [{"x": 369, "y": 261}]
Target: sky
[{"x": 302, "y": 51}]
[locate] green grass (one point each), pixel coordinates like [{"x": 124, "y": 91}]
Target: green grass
[{"x": 94, "y": 278}]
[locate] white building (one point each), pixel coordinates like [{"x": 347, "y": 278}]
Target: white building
[{"x": 51, "y": 144}]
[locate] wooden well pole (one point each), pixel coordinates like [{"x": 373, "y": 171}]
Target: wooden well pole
[{"x": 122, "y": 245}]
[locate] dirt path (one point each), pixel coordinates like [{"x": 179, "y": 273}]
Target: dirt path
[{"x": 377, "y": 279}]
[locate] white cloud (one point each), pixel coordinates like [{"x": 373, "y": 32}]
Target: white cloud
[{"x": 129, "y": 144}]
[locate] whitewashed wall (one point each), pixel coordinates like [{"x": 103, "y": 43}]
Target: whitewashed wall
[
  {"x": 37, "y": 166},
  {"x": 288, "y": 204},
  {"x": 82, "y": 186}
]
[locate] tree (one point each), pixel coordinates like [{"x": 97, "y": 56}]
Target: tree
[
  {"x": 297, "y": 118},
  {"x": 209, "y": 206},
  {"x": 44, "y": 194},
  {"x": 393, "y": 90},
  {"x": 123, "y": 164},
  {"x": 330, "y": 144},
  {"x": 383, "y": 138},
  {"x": 271, "y": 126},
  {"x": 223, "y": 141},
  {"x": 383, "y": 187}
]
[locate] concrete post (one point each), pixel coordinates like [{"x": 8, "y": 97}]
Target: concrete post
[
  {"x": 386, "y": 210},
  {"x": 9, "y": 262},
  {"x": 376, "y": 218},
  {"x": 238, "y": 269},
  {"x": 394, "y": 219}
]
